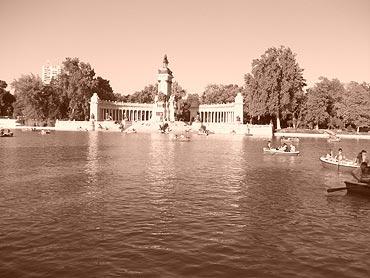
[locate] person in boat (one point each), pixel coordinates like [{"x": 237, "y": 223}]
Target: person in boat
[
  {"x": 292, "y": 148},
  {"x": 284, "y": 147},
  {"x": 362, "y": 157},
  {"x": 330, "y": 155},
  {"x": 340, "y": 156},
  {"x": 269, "y": 145},
  {"x": 362, "y": 174}
]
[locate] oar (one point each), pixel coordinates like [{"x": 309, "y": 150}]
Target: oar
[{"x": 336, "y": 189}]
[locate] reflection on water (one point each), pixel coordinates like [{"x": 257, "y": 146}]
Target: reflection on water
[
  {"x": 97, "y": 204},
  {"x": 92, "y": 157}
]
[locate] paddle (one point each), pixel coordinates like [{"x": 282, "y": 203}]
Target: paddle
[{"x": 336, "y": 189}]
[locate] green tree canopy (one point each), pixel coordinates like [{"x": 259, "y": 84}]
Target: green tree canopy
[{"x": 274, "y": 85}]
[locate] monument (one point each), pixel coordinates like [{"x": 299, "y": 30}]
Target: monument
[{"x": 165, "y": 87}]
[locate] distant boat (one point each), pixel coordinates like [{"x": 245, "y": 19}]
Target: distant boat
[
  {"x": 279, "y": 152},
  {"x": 9, "y": 134},
  {"x": 333, "y": 139},
  {"x": 334, "y": 164},
  {"x": 181, "y": 138},
  {"x": 45, "y": 131},
  {"x": 290, "y": 140}
]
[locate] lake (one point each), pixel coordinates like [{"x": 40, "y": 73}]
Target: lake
[{"x": 100, "y": 204}]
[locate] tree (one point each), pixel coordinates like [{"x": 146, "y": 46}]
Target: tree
[
  {"x": 77, "y": 82},
  {"x": 34, "y": 99},
  {"x": 321, "y": 109},
  {"x": 177, "y": 91},
  {"x": 275, "y": 84},
  {"x": 144, "y": 96},
  {"x": 103, "y": 89},
  {"x": 184, "y": 106},
  {"x": 6, "y": 100},
  {"x": 354, "y": 107},
  {"x": 122, "y": 98},
  {"x": 219, "y": 93}
]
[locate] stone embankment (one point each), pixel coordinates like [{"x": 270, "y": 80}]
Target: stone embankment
[{"x": 322, "y": 134}]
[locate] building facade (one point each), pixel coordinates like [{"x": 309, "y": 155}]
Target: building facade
[{"x": 48, "y": 72}]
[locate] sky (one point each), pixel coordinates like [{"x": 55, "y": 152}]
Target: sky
[{"x": 206, "y": 41}]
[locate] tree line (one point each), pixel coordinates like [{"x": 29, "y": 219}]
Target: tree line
[{"x": 273, "y": 91}]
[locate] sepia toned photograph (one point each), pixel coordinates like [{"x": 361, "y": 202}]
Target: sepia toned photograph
[{"x": 184, "y": 138}]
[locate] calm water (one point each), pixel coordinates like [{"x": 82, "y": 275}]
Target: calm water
[{"x": 95, "y": 204}]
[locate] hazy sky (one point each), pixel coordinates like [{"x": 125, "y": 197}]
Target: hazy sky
[{"x": 206, "y": 41}]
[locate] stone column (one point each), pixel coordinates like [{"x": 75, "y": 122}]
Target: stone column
[
  {"x": 94, "y": 107},
  {"x": 238, "y": 107}
]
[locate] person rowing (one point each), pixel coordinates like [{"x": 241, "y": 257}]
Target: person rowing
[
  {"x": 362, "y": 157},
  {"x": 362, "y": 174}
]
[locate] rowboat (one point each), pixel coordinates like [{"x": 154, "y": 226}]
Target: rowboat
[
  {"x": 10, "y": 134},
  {"x": 290, "y": 140},
  {"x": 334, "y": 139},
  {"x": 279, "y": 152},
  {"x": 181, "y": 139},
  {"x": 358, "y": 187},
  {"x": 343, "y": 165}
]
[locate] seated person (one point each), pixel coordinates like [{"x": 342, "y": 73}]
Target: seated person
[
  {"x": 362, "y": 174},
  {"x": 269, "y": 145},
  {"x": 292, "y": 148},
  {"x": 284, "y": 147},
  {"x": 340, "y": 156},
  {"x": 362, "y": 157},
  {"x": 330, "y": 154}
]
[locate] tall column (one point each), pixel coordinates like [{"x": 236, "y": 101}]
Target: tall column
[{"x": 238, "y": 107}]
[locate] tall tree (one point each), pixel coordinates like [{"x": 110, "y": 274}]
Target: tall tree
[
  {"x": 78, "y": 82},
  {"x": 354, "y": 106},
  {"x": 321, "y": 109},
  {"x": 275, "y": 84},
  {"x": 6, "y": 100},
  {"x": 34, "y": 100}
]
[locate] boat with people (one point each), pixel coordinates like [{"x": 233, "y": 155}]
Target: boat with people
[
  {"x": 45, "y": 131},
  {"x": 10, "y": 134},
  {"x": 280, "y": 152},
  {"x": 6, "y": 134},
  {"x": 345, "y": 165}
]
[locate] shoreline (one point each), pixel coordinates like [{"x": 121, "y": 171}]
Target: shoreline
[{"x": 321, "y": 135}]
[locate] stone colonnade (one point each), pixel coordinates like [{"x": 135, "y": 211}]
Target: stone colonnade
[
  {"x": 222, "y": 113},
  {"x": 101, "y": 110}
]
